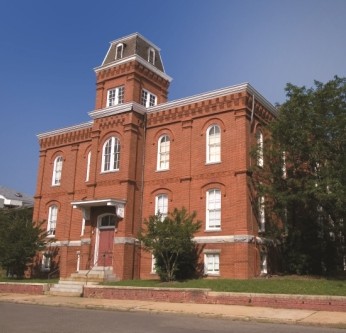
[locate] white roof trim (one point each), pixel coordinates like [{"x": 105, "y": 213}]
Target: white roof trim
[
  {"x": 100, "y": 113},
  {"x": 100, "y": 202},
  {"x": 65, "y": 129},
  {"x": 122, "y": 39},
  {"x": 213, "y": 94},
  {"x": 133, "y": 58}
]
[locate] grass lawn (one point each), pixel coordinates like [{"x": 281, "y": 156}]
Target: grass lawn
[
  {"x": 3, "y": 279},
  {"x": 275, "y": 285}
]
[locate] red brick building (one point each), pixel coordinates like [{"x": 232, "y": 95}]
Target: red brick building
[{"x": 140, "y": 154}]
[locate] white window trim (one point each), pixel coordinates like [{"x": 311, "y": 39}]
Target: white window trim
[
  {"x": 153, "y": 264},
  {"x": 118, "y": 96},
  {"x": 46, "y": 263},
  {"x": 146, "y": 102},
  {"x": 57, "y": 171},
  {"x": 163, "y": 156},
  {"x": 117, "y": 47},
  {"x": 113, "y": 155},
  {"x": 211, "y": 159},
  {"x": 151, "y": 56},
  {"x": 52, "y": 221},
  {"x": 161, "y": 201},
  {"x": 208, "y": 210},
  {"x": 216, "y": 263},
  {"x": 261, "y": 214},
  {"x": 87, "y": 176},
  {"x": 259, "y": 140}
]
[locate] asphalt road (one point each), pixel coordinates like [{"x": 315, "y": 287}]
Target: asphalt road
[{"x": 15, "y": 318}]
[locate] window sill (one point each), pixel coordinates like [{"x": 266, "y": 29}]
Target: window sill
[
  {"x": 161, "y": 170},
  {"x": 212, "y": 163},
  {"x": 213, "y": 230},
  {"x": 109, "y": 171},
  {"x": 56, "y": 185},
  {"x": 207, "y": 274}
]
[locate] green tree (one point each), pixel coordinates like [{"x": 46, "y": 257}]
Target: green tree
[
  {"x": 170, "y": 240},
  {"x": 20, "y": 239},
  {"x": 305, "y": 177}
]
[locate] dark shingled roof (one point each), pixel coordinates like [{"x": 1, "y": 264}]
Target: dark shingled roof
[{"x": 134, "y": 44}]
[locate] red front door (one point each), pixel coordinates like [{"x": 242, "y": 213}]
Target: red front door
[{"x": 105, "y": 253}]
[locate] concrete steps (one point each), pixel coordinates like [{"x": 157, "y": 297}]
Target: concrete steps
[{"x": 73, "y": 286}]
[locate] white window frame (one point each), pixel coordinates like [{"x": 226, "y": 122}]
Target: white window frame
[
  {"x": 163, "y": 151},
  {"x": 119, "y": 50},
  {"x": 115, "y": 96},
  {"x": 111, "y": 155},
  {"x": 57, "y": 171},
  {"x": 153, "y": 264},
  {"x": 87, "y": 176},
  {"x": 213, "y": 144},
  {"x": 161, "y": 205},
  {"x": 151, "y": 56},
  {"x": 52, "y": 220},
  {"x": 213, "y": 209},
  {"x": 260, "y": 144},
  {"x": 148, "y": 99},
  {"x": 46, "y": 263},
  {"x": 261, "y": 214},
  {"x": 212, "y": 263}
]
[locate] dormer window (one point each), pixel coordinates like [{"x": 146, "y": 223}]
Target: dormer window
[
  {"x": 119, "y": 51},
  {"x": 151, "y": 55}
]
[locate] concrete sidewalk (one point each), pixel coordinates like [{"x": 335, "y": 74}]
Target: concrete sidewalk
[{"x": 235, "y": 312}]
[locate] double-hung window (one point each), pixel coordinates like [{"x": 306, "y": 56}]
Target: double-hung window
[
  {"x": 212, "y": 263},
  {"x": 261, "y": 214},
  {"x": 163, "y": 153},
  {"x": 57, "y": 170},
  {"x": 115, "y": 96},
  {"x": 213, "y": 144},
  {"x": 161, "y": 205},
  {"x": 213, "y": 210},
  {"x": 87, "y": 176},
  {"x": 111, "y": 155},
  {"x": 148, "y": 99},
  {"x": 259, "y": 139},
  {"x": 52, "y": 219}
]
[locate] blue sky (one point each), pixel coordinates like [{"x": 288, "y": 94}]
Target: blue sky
[{"x": 49, "y": 50}]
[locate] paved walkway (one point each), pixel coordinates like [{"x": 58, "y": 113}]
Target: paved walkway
[{"x": 235, "y": 312}]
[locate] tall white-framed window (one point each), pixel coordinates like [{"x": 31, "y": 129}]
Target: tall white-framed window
[
  {"x": 213, "y": 209},
  {"x": 87, "y": 176},
  {"x": 161, "y": 205},
  {"x": 115, "y": 96},
  {"x": 148, "y": 99},
  {"x": 284, "y": 167},
  {"x": 153, "y": 264},
  {"x": 163, "y": 147},
  {"x": 212, "y": 263},
  {"x": 46, "y": 262},
  {"x": 119, "y": 49},
  {"x": 52, "y": 220},
  {"x": 111, "y": 155},
  {"x": 57, "y": 170},
  {"x": 83, "y": 227},
  {"x": 151, "y": 55},
  {"x": 213, "y": 144},
  {"x": 261, "y": 213},
  {"x": 259, "y": 140}
]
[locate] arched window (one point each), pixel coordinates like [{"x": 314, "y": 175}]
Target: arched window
[
  {"x": 163, "y": 147},
  {"x": 57, "y": 170},
  {"x": 151, "y": 55},
  {"x": 111, "y": 155},
  {"x": 259, "y": 140},
  {"x": 119, "y": 51},
  {"x": 52, "y": 219},
  {"x": 213, "y": 144},
  {"x": 87, "y": 176},
  {"x": 213, "y": 209},
  {"x": 161, "y": 205}
]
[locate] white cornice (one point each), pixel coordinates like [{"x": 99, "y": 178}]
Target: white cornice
[
  {"x": 213, "y": 94},
  {"x": 121, "y": 108},
  {"x": 138, "y": 59},
  {"x": 65, "y": 130}
]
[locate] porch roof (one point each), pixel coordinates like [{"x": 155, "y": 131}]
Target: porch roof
[{"x": 97, "y": 203}]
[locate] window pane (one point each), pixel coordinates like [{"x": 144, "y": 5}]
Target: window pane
[
  {"x": 213, "y": 209},
  {"x": 214, "y": 144}
]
